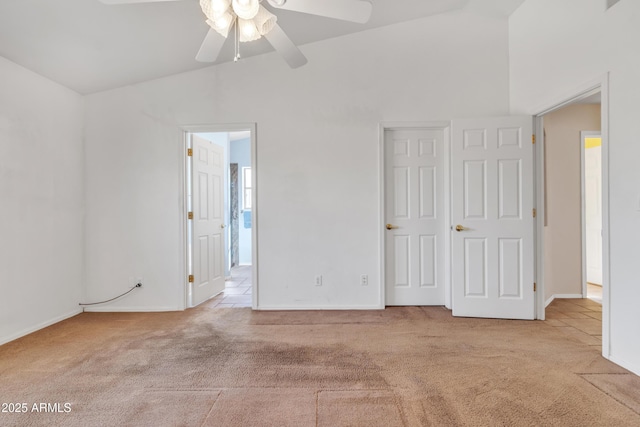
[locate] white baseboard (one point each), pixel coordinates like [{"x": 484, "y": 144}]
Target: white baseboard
[
  {"x": 42, "y": 325},
  {"x": 561, "y": 296},
  {"x": 144, "y": 309},
  {"x": 633, "y": 367}
]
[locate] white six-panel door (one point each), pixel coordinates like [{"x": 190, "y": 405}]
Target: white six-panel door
[
  {"x": 208, "y": 219},
  {"x": 414, "y": 216},
  {"x": 492, "y": 254}
]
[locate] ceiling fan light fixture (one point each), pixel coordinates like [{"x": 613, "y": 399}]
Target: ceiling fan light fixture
[
  {"x": 248, "y": 30},
  {"x": 214, "y": 8},
  {"x": 264, "y": 21},
  {"x": 223, "y": 31},
  {"x": 220, "y": 6},
  {"x": 224, "y": 21},
  {"x": 245, "y": 9}
]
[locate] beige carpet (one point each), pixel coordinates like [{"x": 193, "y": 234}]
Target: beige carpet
[{"x": 410, "y": 366}]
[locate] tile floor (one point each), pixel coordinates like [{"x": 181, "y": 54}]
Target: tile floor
[
  {"x": 237, "y": 291},
  {"x": 579, "y": 318},
  {"x": 594, "y": 292}
]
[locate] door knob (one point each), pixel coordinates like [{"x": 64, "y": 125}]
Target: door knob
[
  {"x": 222, "y": 226},
  {"x": 391, "y": 226},
  {"x": 460, "y": 228}
]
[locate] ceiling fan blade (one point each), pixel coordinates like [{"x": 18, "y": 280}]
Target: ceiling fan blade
[
  {"x": 131, "y": 1},
  {"x": 285, "y": 47},
  {"x": 211, "y": 46},
  {"x": 347, "y": 10}
]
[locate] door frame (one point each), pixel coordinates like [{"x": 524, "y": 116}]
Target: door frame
[
  {"x": 601, "y": 84},
  {"x": 583, "y": 196},
  {"x": 446, "y": 263},
  {"x": 187, "y": 130}
]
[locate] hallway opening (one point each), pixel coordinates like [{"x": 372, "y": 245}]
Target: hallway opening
[{"x": 237, "y": 290}]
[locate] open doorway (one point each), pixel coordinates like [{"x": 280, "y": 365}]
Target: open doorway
[
  {"x": 564, "y": 214},
  {"x": 238, "y": 289},
  {"x": 240, "y": 199},
  {"x": 591, "y": 174},
  {"x": 572, "y": 220},
  {"x": 221, "y": 207}
]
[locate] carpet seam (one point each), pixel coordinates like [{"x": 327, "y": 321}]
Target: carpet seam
[
  {"x": 211, "y": 409},
  {"x": 317, "y": 406},
  {"x": 608, "y": 394}
]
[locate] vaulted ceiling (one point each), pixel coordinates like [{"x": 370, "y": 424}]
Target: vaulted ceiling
[{"x": 89, "y": 46}]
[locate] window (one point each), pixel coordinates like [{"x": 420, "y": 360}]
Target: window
[{"x": 246, "y": 188}]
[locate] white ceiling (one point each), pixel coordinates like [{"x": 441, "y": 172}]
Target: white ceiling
[{"x": 89, "y": 47}]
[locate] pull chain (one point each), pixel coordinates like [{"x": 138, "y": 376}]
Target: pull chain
[{"x": 237, "y": 43}]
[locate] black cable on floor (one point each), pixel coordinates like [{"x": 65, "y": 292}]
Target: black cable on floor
[{"x": 139, "y": 285}]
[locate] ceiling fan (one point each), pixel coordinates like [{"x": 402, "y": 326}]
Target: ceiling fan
[{"x": 249, "y": 20}]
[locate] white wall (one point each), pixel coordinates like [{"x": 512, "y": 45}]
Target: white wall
[
  {"x": 317, "y": 154},
  {"x": 556, "y": 47},
  {"x": 41, "y": 201},
  {"x": 563, "y": 228}
]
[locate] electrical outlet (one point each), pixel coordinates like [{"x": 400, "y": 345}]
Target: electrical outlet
[
  {"x": 364, "y": 280},
  {"x": 318, "y": 280}
]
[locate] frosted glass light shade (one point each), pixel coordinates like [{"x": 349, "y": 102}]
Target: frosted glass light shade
[
  {"x": 220, "y": 6},
  {"x": 222, "y": 24},
  {"x": 223, "y": 14},
  {"x": 245, "y": 9},
  {"x": 264, "y": 20},
  {"x": 214, "y": 8},
  {"x": 247, "y": 30}
]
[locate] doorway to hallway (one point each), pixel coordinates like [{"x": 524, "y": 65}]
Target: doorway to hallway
[
  {"x": 591, "y": 159},
  {"x": 240, "y": 206},
  {"x": 572, "y": 220},
  {"x": 230, "y": 197},
  {"x": 564, "y": 227},
  {"x": 237, "y": 291}
]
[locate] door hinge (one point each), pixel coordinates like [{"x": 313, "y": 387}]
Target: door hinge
[
  {"x": 535, "y": 213},
  {"x": 533, "y": 139},
  {"x": 189, "y": 152},
  {"x": 191, "y": 278},
  {"x": 190, "y": 215},
  {"x": 535, "y": 287}
]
